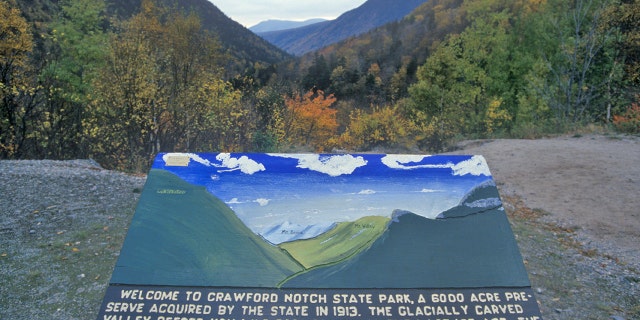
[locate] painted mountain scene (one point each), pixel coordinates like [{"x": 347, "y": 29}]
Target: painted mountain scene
[{"x": 320, "y": 221}]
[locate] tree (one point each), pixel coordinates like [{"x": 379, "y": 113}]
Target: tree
[
  {"x": 127, "y": 112},
  {"x": 318, "y": 75},
  {"x": 15, "y": 46},
  {"x": 269, "y": 110},
  {"x": 624, "y": 17},
  {"x": 77, "y": 50},
  {"x": 161, "y": 90},
  {"x": 580, "y": 67},
  {"x": 384, "y": 127},
  {"x": 311, "y": 120}
]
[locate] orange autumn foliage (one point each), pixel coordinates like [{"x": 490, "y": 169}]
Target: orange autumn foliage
[
  {"x": 311, "y": 122},
  {"x": 629, "y": 121}
]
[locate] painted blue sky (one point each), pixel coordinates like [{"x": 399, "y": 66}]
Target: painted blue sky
[{"x": 307, "y": 189}]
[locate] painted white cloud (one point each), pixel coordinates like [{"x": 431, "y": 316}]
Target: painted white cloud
[
  {"x": 335, "y": 165},
  {"x": 243, "y": 164},
  {"x": 234, "y": 201},
  {"x": 430, "y": 191},
  {"x": 191, "y": 156},
  {"x": 367, "y": 191},
  {"x": 409, "y": 162},
  {"x": 262, "y": 202},
  {"x": 476, "y": 166}
]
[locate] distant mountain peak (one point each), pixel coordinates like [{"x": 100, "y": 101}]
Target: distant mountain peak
[
  {"x": 480, "y": 198},
  {"x": 288, "y": 231},
  {"x": 370, "y": 15},
  {"x": 277, "y": 25},
  {"x": 395, "y": 216}
]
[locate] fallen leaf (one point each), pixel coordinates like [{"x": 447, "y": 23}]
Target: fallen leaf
[
  {"x": 4, "y": 254},
  {"x": 75, "y": 249},
  {"x": 60, "y": 232},
  {"x": 106, "y": 228}
]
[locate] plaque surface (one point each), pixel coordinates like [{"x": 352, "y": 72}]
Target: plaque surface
[{"x": 308, "y": 236}]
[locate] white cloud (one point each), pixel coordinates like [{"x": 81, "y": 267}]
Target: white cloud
[
  {"x": 234, "y": 201},
  {"x": 262, "y": 202},
  {"x": 367, "y": 191},
  {"x": 476, "y": 166},
  {"x": 430, "y": 191},
  {"x": 243, "y": 164},
  {"x": 335, "y": 165}
]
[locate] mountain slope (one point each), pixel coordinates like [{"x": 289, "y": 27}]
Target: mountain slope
[
  {"x": 244, "y": 46},
  {"x": 276, "y": 25},
  {"x": 341, "y": 242},
  {"x": 371, "y": 14},
  {"x": 464, "y": 249},
  {"x": 416, "y": 252},
  {"x": 182, "y": 235}
]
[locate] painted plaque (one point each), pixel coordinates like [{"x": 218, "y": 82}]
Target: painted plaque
[{"x": 311, "y": 236}]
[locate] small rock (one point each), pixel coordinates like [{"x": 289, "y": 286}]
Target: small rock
[{"x": 32, "y": 231}]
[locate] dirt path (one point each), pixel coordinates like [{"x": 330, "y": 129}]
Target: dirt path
[{"x": 589, "y": 183}]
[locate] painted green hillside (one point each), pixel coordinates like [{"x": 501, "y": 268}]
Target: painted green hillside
[
  {"x": 183, "y": 235},
  {"x": 341, "y": 242},
  {"x": 476, "y": 250}
]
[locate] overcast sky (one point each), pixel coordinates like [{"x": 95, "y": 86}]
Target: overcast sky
[{"x": 250, "y": 12}]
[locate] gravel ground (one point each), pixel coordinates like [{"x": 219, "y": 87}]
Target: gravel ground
[
  {"x": 575, "y": 208},
  {"x": 62, "y": 224}
]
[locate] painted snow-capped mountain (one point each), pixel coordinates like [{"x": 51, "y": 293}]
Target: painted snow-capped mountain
[
  {"x": 287, "y": 231},
  {"x": 482, "y": 197}
]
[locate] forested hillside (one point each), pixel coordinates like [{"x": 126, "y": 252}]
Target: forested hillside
[
  {"x": 243, "y": 47},
  {"x": 78, "y": 80},
  {"x": 239, "y": 43}
]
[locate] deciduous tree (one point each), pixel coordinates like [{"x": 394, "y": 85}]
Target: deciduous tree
[
  {"x": 15, "y": 46},
  {"x": 311, "y": 121},
  {"x": 77, "y": 50}
]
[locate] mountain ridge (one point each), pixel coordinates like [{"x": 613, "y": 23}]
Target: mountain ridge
[{"x": 371, "y": 14}]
